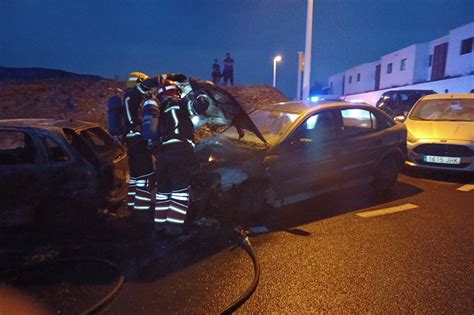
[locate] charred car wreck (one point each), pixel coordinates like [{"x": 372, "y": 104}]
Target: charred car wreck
[
  {"x": 294, "y": 151},
  {"x": 58, "y": 171}
]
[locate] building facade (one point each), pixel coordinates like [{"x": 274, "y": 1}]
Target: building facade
[{"x": 442, "y": 58}]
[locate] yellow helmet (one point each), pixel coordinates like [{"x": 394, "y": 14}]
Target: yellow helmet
[{"x": 134, "y": 78}]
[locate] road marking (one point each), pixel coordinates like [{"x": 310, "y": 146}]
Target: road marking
[
  {"x": 467, "y": 187},
  {"x": 375, "y": 213}
]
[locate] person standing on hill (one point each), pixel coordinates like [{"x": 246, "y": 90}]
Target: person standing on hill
[
  {"x": 216, "y": 72},
  {"x": 228, "y": 72}
]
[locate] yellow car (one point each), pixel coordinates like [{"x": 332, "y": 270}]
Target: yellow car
[{"x": 441, "y": 132}]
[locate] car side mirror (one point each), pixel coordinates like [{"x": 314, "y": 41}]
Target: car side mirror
[{"x": 400, "y": 118}]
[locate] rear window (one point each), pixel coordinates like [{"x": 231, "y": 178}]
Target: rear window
[
  {"x": 98, "y": 139},
  {"x": 356, "y": 121},
  {"x": 56, "y": 152},
  {"x": 16, "y": 147},
  {"x": 102, "y": 143}
]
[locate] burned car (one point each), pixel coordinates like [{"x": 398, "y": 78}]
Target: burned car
[
  {"x": 299, "y": 150},
  {"x": 56, "y": 171}
]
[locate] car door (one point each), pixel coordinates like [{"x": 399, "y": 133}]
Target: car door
[
  {"x": 68, "y": 176},
  {"x": 307, "y": 159},
  {"x": 111, "y": 162},
  {"x": 23, "y": 176},
  {"x": 360, "y": 144}
]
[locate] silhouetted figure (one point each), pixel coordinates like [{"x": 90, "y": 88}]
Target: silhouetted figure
[
  {"x": 228, "y": 72},
  {"x": 216, "y": 72}
]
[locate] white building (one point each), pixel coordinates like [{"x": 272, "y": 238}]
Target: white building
[
  {"x": 460, "y": 59},
  {"x": 361, "y": 78},
  {"x": 336, "y": 84},
  {"x": 446, "y": 57},
  {"x": 405, "y": 66}
]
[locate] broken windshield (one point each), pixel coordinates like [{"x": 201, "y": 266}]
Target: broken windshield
[{"x": 272, "y": 124}]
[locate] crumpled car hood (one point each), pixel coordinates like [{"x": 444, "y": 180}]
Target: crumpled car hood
[
  {"x": 226, "y": 109},
  {"x": 449, "y": 130},
  {"x": 220, "y": 150}
]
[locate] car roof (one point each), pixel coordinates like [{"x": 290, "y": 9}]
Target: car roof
[
  {"x": 47, "y": 123},
  {"x": 448, "y": 96},
  {"x": 299, "y": 107},
  {"x": 413, "y": 90}
]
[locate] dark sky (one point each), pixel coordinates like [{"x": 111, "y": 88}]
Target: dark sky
[{"x": 160, "y": 36}]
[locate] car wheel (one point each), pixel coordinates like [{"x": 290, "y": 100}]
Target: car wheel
[
  {"x": 252, "y": 203},
  {"x": 385, "y": 175}
]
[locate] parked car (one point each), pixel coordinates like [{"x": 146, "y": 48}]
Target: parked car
[
  {"x": 58, "y": 171},
  {"x": 399, "y": 102},
  {"x": 307, "y": 149},
  {"x": 441, "y": 132}
]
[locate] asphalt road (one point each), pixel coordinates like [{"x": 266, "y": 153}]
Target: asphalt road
[
  {"x": 321, "y": 256},
  {"x": 347, "y": 252}
]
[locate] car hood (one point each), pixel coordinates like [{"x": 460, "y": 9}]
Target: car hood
[
  {"x": 450, "y": 130},
  {"x": 222, "y": 150},
  {"x": 224, "y": 108}
]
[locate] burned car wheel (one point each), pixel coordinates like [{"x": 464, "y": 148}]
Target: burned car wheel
[{"x": 385, "y": 175}]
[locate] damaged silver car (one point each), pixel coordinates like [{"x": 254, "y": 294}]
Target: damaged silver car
[{"x": 295, "y": 151}]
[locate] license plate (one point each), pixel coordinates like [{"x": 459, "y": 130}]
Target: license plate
[{"x": 442, "y": 159}]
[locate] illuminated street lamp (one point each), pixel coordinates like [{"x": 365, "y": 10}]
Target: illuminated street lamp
[{"x": 275, "y": 60}]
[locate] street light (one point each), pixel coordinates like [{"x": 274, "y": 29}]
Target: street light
[{"x": 275, "y": 60}]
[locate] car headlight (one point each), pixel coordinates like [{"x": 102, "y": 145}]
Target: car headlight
[
  {"x": 215, "y": 159},
  {"x": 411, "y": 138}
]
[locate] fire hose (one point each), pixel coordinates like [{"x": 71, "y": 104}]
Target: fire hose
[
  {"x": 99, "y": 306},
  {"x": 247, "y": 246}
]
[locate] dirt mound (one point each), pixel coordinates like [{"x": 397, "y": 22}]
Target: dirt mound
[
  {"x": 253, "y": 97},
  {"x": 81, "y": 99},
  {"x": 86, "y": 98}
]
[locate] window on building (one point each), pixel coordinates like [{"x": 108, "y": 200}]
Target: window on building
[
  {"x": 430, "y": 61},
  {"x": 466, "y": 46},
  {"x": 389, "y": 68},
  {"x": 403, "y": 64},
  {"x": 350, "y": 79},
  {"x": 358, "y": 77}
]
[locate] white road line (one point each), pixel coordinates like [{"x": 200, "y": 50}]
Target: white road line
[
  {"x": 467, "y": 187},
  {"x": 374, "y": 213}
]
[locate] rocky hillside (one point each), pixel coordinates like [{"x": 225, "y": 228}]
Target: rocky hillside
[{"x": 85, "y": 97}]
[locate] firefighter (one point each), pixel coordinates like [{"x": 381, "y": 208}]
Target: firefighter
[
  {"x": 139, "y": 88},
  {"x": 174, "y": 156},
  {"x": 139, "y": 157}
]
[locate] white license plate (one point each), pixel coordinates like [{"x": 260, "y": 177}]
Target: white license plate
[{"x": 442, "y": 159}]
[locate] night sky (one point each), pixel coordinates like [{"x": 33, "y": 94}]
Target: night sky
[{"x": 159, "y": 36}]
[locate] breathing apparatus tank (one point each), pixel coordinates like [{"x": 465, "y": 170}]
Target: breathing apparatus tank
[
  {"x": 115, "y": 116},
  {"x": 150, "y": 121}
]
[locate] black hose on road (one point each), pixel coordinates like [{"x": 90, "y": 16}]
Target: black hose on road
[
  {"x": 245, "y": 244},
  {"x": 106, "y": 300}
]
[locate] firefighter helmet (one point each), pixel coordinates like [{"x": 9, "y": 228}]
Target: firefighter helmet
[
  {"x": 168, "y": 89},
  {"x": 135, "y": 78}
]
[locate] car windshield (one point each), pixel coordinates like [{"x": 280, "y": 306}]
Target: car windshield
[
  {"x": 272, "y": 124},
  {"x": 444, "y": 110}
]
